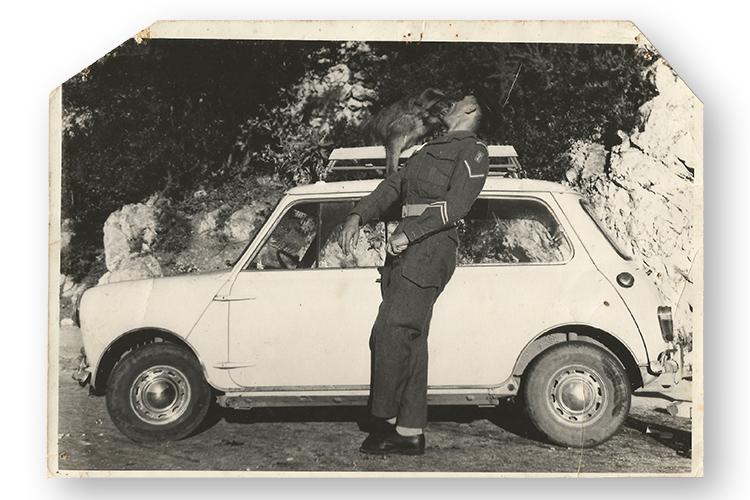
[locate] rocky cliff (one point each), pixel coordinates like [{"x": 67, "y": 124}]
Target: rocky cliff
[{"x": 648, "y": 190}]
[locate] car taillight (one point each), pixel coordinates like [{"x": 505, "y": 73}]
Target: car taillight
[{"x": 664, "y": 314}]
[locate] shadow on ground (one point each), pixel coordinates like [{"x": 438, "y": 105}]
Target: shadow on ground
[
  {"x": 679, "y": 440},
  {"x": 506, "y": 416}
]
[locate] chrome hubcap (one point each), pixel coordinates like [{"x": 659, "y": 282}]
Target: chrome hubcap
[
  {"x": 577, "y": 394},
  {"x": 160, "y": 395}
]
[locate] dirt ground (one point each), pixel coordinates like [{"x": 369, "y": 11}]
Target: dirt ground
[{"x": 459, "y": 439}]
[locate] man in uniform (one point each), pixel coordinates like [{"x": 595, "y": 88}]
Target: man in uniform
[{"x": 436, "y": 188}]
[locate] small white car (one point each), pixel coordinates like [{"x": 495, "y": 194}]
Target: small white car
[{"x": 543, "y": 305}]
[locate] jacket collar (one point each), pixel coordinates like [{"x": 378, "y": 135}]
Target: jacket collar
[{"x": 455, "y": 135}]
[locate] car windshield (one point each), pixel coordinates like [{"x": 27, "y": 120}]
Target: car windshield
[
  {"x": 589, "y": 209},
  {"x": 254, "y": 234}
]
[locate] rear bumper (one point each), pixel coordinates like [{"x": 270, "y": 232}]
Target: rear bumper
[{"x": 667, "y": 369}]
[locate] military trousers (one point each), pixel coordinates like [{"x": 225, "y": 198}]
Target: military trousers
[{"x": 398, "y": 345}]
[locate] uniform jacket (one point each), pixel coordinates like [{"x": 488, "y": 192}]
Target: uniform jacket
[{"x": 447, "y": 174}]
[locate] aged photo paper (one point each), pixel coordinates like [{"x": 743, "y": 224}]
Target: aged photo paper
[{"x": 210, "y": 315}]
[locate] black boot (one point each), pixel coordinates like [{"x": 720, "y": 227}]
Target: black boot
[
  {"x": 393, "y": 443},
  {"x": 377, "y": 425}
]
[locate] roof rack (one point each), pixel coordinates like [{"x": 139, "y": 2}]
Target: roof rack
[{"x": 369, "y": 161}]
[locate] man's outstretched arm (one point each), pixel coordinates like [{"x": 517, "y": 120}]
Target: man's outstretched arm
[{"x": 370, "y": 207}]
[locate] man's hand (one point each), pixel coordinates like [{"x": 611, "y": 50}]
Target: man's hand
[
  {"x": 349, "y": 234},
  {"x": 397, "y": 243}
]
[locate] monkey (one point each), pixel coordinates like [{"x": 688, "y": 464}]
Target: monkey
[{"x": 406, "y": 122}]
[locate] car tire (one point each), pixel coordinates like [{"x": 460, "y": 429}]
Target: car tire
[
  {"x": 576, "y": 394},
  {"x": 158, "y": 393}
]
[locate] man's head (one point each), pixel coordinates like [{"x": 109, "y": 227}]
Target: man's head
[{"x": 465, "y": 114}]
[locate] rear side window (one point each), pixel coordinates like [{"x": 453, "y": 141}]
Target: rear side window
[
  {"x": 589, "y": 209},
  {"x": 511, "y": 231}
]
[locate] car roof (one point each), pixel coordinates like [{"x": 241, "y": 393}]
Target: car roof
[{"x": 492, "y": 184}]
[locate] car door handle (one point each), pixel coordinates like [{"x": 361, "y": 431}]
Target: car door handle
[{"x": 228, "y": 298}]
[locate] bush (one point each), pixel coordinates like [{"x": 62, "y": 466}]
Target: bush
[{"x": 173, "y": 233}]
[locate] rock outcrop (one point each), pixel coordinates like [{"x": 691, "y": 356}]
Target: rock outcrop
[
  {"x": 140, "y": 243},
  {"x": 647, "y": 190},
  {"x": 217, "y": 241},
  {"x": 243, "y": 223},
  {"x": 129, "y": 235},
  {"x": 69, "y": 289},
  {"x": 66, "y": 234},
  {"x": 205, "y": 223},
  {"x": 339, "y": 95}
]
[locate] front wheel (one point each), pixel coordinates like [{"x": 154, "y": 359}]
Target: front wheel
[
  {"x": 576, "y": 394},
  {"x": 157, "y": 393}
]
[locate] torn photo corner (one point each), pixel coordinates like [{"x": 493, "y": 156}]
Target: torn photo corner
[{"x": 261, "y": 231}]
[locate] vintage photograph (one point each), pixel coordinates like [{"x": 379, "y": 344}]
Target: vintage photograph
[{"x": 283, "y": 250}]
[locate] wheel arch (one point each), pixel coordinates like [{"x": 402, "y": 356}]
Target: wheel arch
[
  {"x": 584, "y": 333},
  {"x": 127, "y": 342}
]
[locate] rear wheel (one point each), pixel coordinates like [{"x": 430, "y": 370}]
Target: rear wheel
[
  {"x": 158, "y": 393},
  {"x": 576, "y": 394}
]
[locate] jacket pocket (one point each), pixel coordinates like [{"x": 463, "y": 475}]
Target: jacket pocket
[
  {"x": 434, "y": 175},
  {"x": 430, "y": 262}
]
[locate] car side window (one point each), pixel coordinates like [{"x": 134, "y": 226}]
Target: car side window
[
  {"x": 511, "y": 231},
  {"x": 293, "y": 242},
  {"x": 307, "y": 237},
  {"x": 370, "y": 248}
]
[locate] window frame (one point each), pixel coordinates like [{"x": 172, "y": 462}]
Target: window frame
[
  {"x": 548, "y": 207},
  {"x": 255, "y": 234},
  {"x": 616, "y": 246}
]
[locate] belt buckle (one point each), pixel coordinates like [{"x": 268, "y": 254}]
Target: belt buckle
[{"x": 404, "y": 211}]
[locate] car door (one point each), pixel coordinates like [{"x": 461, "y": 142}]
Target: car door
[
  {"x": 301, "y": 312},
  {"x": 516, "y": 269}
]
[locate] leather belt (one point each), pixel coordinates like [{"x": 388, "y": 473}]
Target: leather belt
[{"x": 414, "y": 210}]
